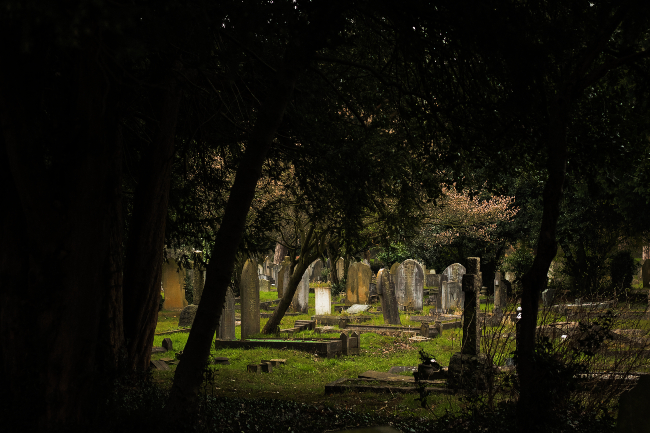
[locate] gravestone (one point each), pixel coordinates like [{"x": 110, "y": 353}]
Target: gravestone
[
  {"x": 455, "y": 272},
  {"x": 198, "y": 278},
  {"x": 317, "y": 268},
  {"x": 226, "y": 328},
  {"x": 500, "y": 295},
  {"x": 186, "y": 317},
  {"x": 284, "y": 275},
  {"x": 167, "y": 344},
  {"x": 249, "y": 290},
  {"x": 386, "y": 292},
  {"x": 268, "y": 266},
  {"x": 323, "y": 298},
  {"x": 265, "y": 285},
  {"x": 410, "y": 285},
  {"x": 357, "y": 284},
  {"x": 645, "y": 274},
  {"x": 340, "y": 268},
  {"x": 432, "y": 279},
  {"x": 633, "y": 416},
  {"x": 547, "y": 297},
  {"x": 173, "y": 282},
  {"x": 444, "y": 296},
  {"x": 260, "y": 270},
  {"x": 300, "y": 301},
  {"x": 455, "y": 293}
]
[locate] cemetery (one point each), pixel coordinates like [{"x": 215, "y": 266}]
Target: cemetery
[{"x": 325, "y": 216}]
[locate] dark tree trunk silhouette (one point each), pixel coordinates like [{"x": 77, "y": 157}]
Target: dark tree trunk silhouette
[{"x": 142, "y": 274}]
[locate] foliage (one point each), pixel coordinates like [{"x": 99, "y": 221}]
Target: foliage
[
  {"x": 396, "y": 253},
  {"x": 622, "y": 268},
  {"x": 518, "y": 262},
  {"x": 338, "y": 288}
]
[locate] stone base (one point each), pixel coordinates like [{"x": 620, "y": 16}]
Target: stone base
[
  {"x": 468, "y": 372},
  {"x": 187, "y": 316}
]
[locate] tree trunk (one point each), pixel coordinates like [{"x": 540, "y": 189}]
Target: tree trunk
[
  {"x": 142, "y": 275},
  {"x": 58, "y": 163},
  {"x": 287, "y": 297},
  {"x": 188, "y": 375},
  {"x": 529, "y": 410}
]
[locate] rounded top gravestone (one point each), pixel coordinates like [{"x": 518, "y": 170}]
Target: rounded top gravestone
[{"x": 455, "y": 272}]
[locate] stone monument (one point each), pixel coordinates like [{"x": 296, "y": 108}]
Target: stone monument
[
  {"x": 386, "y": 292},
  {"x": 323, "y": 298},
  {"x": 300, "y": 301},
  {"x": 249, "y": 290},
  {"x": 226, "y": 327},
  {"x": 357, "y": 284},
  {"x": 410, "y": 285}
]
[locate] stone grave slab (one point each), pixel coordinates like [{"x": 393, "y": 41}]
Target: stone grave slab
[{"x": 357, "y": 308}]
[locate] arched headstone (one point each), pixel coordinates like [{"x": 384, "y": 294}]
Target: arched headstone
[
  {"x": 410, "y": 285},
  {"x": 358, "y": 283},
  {"x": 173, "y": 282}
]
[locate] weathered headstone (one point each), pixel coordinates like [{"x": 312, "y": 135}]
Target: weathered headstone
[
  {"x": 300, "y": 301},
  {"x": 455, "y": 293},
  {"x": 444, "y": 296},
  {"x": 265, "y": 285},
  {"x": 284, "y": 275},
  {"x": 323, "y": 298},
  {"x": 410, "y": 285},
  {"x": 357, "y": 284},
  {"x": 186, "y": 317},
  {"x": 455, "y": 272},
  {"x": 173, "y": 281},
  {"x": 316, "y": 270},
  {"x": 547, "y": 297},
  {"x": 226, "y": 327},
  {"x": 386, "y": 292},
  {"x": 340, "y": 268},
  {"x": 249, "y": 290}
]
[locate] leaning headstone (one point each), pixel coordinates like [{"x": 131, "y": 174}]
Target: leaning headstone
[
  {"x": 645, "y": 274},
  {"x": 357, "y": 284},
  {"x": 323, "y": 298},
  {"x": 300, "y": 301},
  {"x": 226, "y": 328},
  {"x": 249, "y": 290},
  {"x": 284, "y": 275},
  {"x": 386, "y": 292},
  {"x": 186, "y": 317},
  {"x": 633, "y": 414},
  {"x": 410, "y": 287}
]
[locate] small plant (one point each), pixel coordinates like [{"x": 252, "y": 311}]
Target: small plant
[{"x": 338, "y": 288}]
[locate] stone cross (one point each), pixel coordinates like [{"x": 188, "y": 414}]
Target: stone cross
[
  {"x": 471, "y": 286},
  {"x": 386, "y": 292},
  {"x": 249, "y": 289},
  {"x": 226, "y": 327}
]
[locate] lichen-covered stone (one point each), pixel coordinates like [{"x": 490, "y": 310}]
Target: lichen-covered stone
[{"x": 187, "y": 316}]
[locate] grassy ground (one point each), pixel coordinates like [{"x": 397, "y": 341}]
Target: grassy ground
[{"x": 305, "y": 375}]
